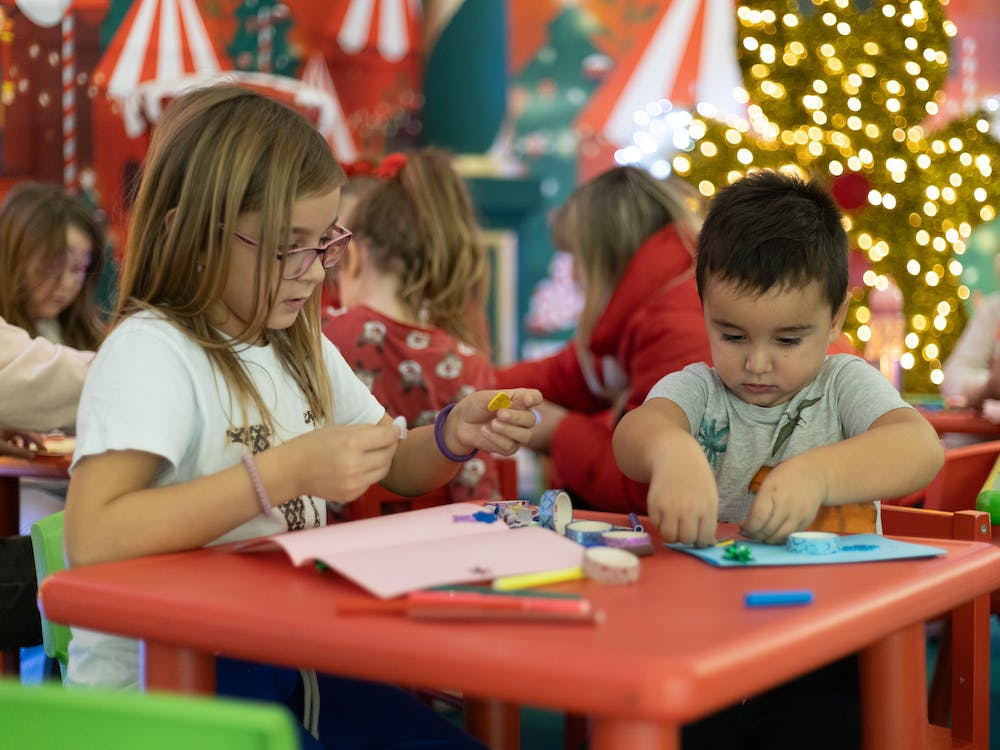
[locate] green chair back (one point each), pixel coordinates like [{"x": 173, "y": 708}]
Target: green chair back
[
  {"x": 51, "y": 716},
  {"x": 47, "y": 545}
]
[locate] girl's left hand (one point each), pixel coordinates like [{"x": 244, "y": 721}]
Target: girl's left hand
[
  {"x": 472, "y": 425},
  {"x": 19, "y": 443}
]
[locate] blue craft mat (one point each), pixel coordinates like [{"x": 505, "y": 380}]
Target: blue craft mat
[{"x": 778, "y": 554}]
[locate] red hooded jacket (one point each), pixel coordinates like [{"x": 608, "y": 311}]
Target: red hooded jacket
[{"x": 652, "y": 326}]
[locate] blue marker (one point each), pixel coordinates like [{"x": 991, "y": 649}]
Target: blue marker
[
  {"x": 634, "y": 520},
  {"x": 778, "y": 598}
]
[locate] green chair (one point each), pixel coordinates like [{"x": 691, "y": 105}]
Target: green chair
[
  {"x": 50, "y": 716},
  {"x": 47, "y": 546}
]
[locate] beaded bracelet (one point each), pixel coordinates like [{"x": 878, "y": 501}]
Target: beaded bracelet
[
  {"x": 258, "y": 484},
  {"x": 442, "y": 417}
]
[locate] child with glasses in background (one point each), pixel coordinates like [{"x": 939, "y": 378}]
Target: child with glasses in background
[
  {"x": 776, "y": 435},
  {"x": 413, "y": 287},
  {"x": 217, "y": 411},
  {"x": 51, "y": 250}
]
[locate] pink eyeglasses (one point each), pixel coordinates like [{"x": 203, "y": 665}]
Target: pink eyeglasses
[{"x": 298, "y": 260}]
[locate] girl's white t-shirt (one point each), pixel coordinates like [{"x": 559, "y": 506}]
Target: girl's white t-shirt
[{"x": 151, "y": 388}]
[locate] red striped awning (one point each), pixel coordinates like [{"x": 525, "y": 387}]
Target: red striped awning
[{"x": 687, "y": 57}]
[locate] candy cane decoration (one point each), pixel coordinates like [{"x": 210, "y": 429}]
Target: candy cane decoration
[{"x": 69, "y": 99}]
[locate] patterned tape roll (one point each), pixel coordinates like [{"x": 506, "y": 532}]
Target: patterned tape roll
[
  {"x": 587, "y": 533},
  {"x": 814, "y": 542},
  {"x": 636, "y": 542},
  {"x": 610, "y": 565},
  {"x": 555, "y": 510}
]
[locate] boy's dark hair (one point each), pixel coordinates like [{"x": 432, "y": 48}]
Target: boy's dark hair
[{"x": 769, "y": 229}]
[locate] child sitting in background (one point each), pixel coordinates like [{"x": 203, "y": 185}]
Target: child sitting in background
[
  {"x": 772, "y": 275},
  {"x": 51, "y": 251},
  {"x": 215, "y": 410},
  {"x": 413, "y": 286},
  {"x": 632, "y": 240},
  {"x": 972, "y": 370}
]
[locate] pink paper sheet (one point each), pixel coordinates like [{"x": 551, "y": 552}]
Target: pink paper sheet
[{"x": 391, "y": 555}]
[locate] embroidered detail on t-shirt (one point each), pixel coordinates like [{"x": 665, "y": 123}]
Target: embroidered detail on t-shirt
[
  {"x": 713, "y": 439},
  {"x": 256, "y": 437},
  {"x": 789, "y": 427},
  {"x": 308, "y": 417}
]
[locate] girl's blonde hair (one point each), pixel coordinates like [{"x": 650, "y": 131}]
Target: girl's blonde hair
[
  {"x": 34, "y": 218},
  {"x": 605, "y": 221},
  {"x": 219, "y": 152},
  {"x": 420, "y": 226}
]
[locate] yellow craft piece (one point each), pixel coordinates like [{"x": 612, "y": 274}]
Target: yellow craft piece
[{"x": 499, "y": 401}]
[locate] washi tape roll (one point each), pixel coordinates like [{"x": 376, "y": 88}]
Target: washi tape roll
[
  {"x": 555, "y": 510},
  {"x": 587, "y": 533},
  {"x": 610, "y": 565},
  {"x": 636, "y": 542},
  {"x": 813, "y": 542}
]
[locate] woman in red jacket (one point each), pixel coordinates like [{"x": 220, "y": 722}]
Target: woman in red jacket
[{"x": 632, "y": 238}]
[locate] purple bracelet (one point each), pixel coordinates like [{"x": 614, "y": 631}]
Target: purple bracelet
[{"x": 439, "y": 437}]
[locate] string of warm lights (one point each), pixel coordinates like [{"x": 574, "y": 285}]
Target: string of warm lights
[{"x": 841, "y": 94}]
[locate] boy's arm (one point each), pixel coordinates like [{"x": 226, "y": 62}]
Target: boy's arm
[
  {"x": 653, "y": 444},
  {"x": 898, "y": 454}
]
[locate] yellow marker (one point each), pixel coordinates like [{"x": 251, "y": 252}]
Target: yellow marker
[
  {"x": 530, "y": 580},
  {"x": 499, "y": 401},
  {"x": 724, "y": 542}
]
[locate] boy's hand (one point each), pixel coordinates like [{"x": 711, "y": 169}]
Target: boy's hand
[
  {"x": 684, "y": 508},
  {"x": 787, "y": 501},
  {"x": 471, "y": 424}
]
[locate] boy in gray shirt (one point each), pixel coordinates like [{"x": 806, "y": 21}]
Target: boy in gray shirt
[
  {"x": 826, "y": 430},
  {"x": 777, "y": 433}
]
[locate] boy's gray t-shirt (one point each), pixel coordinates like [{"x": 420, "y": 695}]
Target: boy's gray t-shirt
[{"x": 738, "y": 438}]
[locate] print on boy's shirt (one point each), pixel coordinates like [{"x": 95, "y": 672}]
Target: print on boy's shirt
[
  {"x": 257, "y": 438},
  {"x": 713, "y": 440},
  {"x": 789, "y": 427}
]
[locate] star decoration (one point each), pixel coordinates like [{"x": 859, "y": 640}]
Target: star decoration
[{"x": 842, "y": 94}]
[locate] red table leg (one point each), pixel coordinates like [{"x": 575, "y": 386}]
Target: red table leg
[
  {"x": 615, "y": 734},
  {"x": 494, "y": 723},
  {"x": 894, "y": 690},
  {"x": 10, "y": 512},
  {"x": 176, "y": 669}
]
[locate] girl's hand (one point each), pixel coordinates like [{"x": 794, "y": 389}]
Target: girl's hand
[
  {"x": 19, "y": 443},
  {"x": 472, "y": 425},
  {"x": 550, "y": 416},
  {"x": 342, "y": 461}
]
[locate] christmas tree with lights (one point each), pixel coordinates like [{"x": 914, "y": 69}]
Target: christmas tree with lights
[{"x": 842, "y": 94}]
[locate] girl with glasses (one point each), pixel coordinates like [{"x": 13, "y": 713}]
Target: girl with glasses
[
  {"x": 413, "y": 287},
  {"x": 216, "y": 411},
  {"x": 51, "y": 248}
]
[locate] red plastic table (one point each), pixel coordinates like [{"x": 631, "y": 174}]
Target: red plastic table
[
  {"x": 675, "y": 647},
  {"x": 11, "y": 471}
]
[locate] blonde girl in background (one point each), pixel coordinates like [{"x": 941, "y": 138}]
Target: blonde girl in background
[
  {"x": 632, "y": 238},
  {"x": 413, "y": 287},
  {"x": 216, "y": 411},
  {"x": 51, "y": 251}
]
